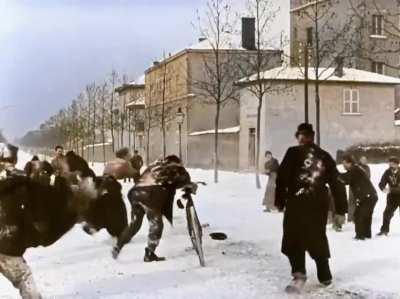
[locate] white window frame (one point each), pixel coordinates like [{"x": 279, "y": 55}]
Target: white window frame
[
  {"x": 375, "y": 33},
  {"x": 351, "y": 101},
  {"x": 375, "y": 69}
]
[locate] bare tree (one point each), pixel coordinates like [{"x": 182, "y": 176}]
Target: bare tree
[
  {"x": 220, "y": 70},
  {"x": 329, "y": 40},
  {"x": 103, "y": 96},
  {"x": 113, "y": 82},
  {"x": 256, "y": 62}
]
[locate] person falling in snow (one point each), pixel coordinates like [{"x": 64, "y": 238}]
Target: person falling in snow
[
  {"x": 302, "y": 193},
  {"x": 271, "y": 167},
  {"x": 365, "y": 196},
  {"x": 390, "y": 184},
  {"x": 153, "y": 196}
]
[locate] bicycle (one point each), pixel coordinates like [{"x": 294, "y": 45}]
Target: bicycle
[{"x": 193, "y": 222}]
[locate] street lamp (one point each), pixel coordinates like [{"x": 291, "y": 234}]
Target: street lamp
[{"x": 180, "y": 118}]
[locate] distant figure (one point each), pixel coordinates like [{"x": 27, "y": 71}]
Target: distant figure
[
  {"x": 59, "y": 163},
  {"x": 365, "y": 196},
  {"x": 390, "y": 184},
  {"x": 137, "y": 164},
  {"x": 364, "y": 166},
  {"x": 352, "y": 204},
  {"x": 121, "y": 168},
  {"x": 302, "y": 193},
  {"x": 8, "y": 156},
  {"x": 39, "y": 171},
  {"x": 271, "y": 167}
]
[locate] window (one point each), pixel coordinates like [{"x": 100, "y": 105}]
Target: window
[
  {"x": 351, "y": 101},
  {"x": 377, "y": 25},
  {"x": 378, "y": 67},
  {"x": 309, "y": 36}
]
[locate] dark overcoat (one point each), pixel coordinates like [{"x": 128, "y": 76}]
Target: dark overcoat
[{"x": 301, "y": 189}]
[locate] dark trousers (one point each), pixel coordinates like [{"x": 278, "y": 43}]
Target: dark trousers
[
  {"x": 363, "y": 217},
  {"x": 393, "y": 202},
  {"x": 156, "y": 226},
  {"x": 298, "y": 264}
]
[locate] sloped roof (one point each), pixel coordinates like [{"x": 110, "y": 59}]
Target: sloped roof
[
  {"x": 138, "y": 83},
  {"x": 326, "y": 74}
]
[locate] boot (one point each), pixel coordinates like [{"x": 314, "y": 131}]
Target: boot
[
  {"x": 150, "y": 256},
  {"x": 382, "y": 233},
  {"x": 115, "y": 252},
  {"x": 297, "y": 284}
]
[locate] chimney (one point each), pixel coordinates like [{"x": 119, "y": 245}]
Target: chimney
[
  {"x": 249, "y": 33},
  {"x": 339, "y": 67}
]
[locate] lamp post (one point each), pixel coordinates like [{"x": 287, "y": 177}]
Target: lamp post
[{"x": 180, "y": 118}]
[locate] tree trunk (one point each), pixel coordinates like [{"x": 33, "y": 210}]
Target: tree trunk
[
  {"x": 258, "y": 183},
  {"x": 112, "y": 120},
  {"x": 148, "y": 147},
  {"x": 317, "y": 113},
  {"x": 94, "y": 130},
  {"x": 216, "y": 156}
]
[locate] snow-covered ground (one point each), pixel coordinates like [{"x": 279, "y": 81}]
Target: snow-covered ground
[{"x": 246, "y": 265}]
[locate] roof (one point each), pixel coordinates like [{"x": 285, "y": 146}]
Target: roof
[
  {"x": 231, "y": 130},
  {"x": 326, "y": 74},
  {"x": 229, "y": 42},
  {"x": 138, "y": 103},
  {"x": 138, "y": 83}
]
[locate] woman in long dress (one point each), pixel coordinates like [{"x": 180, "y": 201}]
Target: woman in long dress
[{"x": 271, "y": 167}]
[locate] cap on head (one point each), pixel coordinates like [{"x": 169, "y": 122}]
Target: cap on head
[{"x": 305, "y": 129}]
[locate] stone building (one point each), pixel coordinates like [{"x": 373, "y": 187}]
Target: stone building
[
  {"x": 355, "y": 108},
  {"x": 130, "y": 112},
  {"x": 175, "y": 80},
  {"x": 373, "y": 31}
]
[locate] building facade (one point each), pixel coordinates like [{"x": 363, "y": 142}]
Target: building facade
[
  {"x": 371, "y": 26},
  {"x": 174, "y": 84},
  {"x": 130, "y": 115},
  {"x": 355, "y": 109}
]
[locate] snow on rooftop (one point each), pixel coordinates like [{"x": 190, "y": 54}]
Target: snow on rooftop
[
  {"x": 220, "y": 131},
  {"x": 326, "y": 74},
  {"x": 229, "y": 41},
  {"x": 138, "y": 81}
]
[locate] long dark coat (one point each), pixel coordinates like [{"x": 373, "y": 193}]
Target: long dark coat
[{"x": 301, "y": 188}]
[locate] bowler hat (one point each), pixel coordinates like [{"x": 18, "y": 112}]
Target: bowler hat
[{"x": 305, "y": 129}]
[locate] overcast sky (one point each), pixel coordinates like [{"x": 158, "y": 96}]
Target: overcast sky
[{"x": 50, "y": 49}]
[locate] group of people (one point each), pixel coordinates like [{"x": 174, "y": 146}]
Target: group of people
[
  {"x": 45, "y": 200},
  {"x": 305, "y": 186}
]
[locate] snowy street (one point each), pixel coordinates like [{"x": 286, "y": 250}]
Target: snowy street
[{"x": 246, "y": 265}]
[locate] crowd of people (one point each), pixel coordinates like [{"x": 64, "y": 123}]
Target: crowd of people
[
  {"x": 306, "y": 186},
  {"x": 45, "y": 200}
]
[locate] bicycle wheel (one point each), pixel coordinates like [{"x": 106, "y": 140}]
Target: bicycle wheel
[{"x": 196, "y": 235}]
